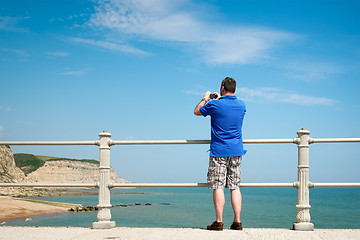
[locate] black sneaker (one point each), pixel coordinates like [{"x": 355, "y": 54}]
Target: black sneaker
[
  {"x": 236, "y": 226},
  {"x": 216, "y": 226}
]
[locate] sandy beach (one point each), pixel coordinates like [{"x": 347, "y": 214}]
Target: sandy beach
[{"x": 11, "y": 208}]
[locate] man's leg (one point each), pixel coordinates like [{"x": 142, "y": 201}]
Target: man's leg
[
  {"x": 219, "y": 202},
  {"x": 236, "y": 199},
  {"x": 216, "y": 181}
]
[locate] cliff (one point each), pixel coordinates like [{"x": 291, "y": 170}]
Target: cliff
[
  {"x": 67, "y": 171},
  {"x": 50, "y": 170},
  {"x": 8, "y": 170}
]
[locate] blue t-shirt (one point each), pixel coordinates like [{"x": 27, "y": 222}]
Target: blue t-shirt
[{"x": 227, "y": 115}]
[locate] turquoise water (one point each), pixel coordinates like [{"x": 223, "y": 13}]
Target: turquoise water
[{"x": 193, "y": 208}]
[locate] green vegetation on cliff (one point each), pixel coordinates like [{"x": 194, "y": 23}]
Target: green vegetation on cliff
[
  {"x": 79, "y": 160},
  {"x": 29, "y": 162}
]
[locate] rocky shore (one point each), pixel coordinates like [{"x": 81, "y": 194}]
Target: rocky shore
[{"x": 41, "y": 192}]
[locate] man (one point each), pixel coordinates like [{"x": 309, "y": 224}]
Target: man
[{"x": 226, "y": 149}]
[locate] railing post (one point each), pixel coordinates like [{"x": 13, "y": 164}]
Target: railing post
[
  {"x": 104, "y": 214},
  {"x": 303, "y": 201}
]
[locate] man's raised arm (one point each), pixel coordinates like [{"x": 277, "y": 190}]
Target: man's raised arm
[{"x": 203, "y": 101}]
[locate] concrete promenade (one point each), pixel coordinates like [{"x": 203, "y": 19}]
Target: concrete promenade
[{"x": 124, "y": 233}]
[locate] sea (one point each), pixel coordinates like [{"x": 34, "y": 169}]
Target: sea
[{"x": 331, "y": 208}]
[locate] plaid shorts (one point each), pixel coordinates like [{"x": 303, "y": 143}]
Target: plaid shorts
[{"x": 224, "y": 172}]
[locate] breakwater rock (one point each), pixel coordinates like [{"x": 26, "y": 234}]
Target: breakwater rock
[
  {"x": 80, "y": 208},
  {"x": 140, "y": 204}
]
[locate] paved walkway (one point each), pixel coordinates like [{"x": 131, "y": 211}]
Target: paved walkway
[{"x": 123, "y": 233}]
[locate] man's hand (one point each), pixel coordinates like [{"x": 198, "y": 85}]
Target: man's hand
[{"x": 206, "y": 98}]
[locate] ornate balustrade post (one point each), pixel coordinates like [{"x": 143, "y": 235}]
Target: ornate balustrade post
[
  {"x": 104, "y": 214},
  {"x": 303, "y": 202}
]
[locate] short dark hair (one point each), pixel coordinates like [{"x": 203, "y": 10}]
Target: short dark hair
[{"x": 229, "y": 84}]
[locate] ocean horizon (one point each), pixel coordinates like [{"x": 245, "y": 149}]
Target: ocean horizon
[{"x": 331, "y": 208}]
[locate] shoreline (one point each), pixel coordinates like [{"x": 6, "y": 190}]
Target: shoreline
[
  {"x": 14, "y": 207},
  {"x": 17, "y": 208}
]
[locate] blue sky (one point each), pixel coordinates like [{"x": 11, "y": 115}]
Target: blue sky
[{"x": 71, "y": 69}]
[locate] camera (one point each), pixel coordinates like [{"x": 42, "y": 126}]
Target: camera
[{"x": 213, "y": 95}]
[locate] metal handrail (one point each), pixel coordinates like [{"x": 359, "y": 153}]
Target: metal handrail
[
  {"x": 334, "y": 184},
  {"x": 303, "y": 184},
  {"x": 50, "y": 143},
  {"x": 334, "y": 140},
  {"x": 54, "y": 185},
  {"x": 162, "y": 142},
  {"x": 146, "y": 185},
  {"x": 165, "y": 185}
]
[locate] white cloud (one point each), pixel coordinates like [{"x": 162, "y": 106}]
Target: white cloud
[
  {"x": 198, "y": 90},
  {"x": 110, "y": 46},
  {"x": 10, "y": 24},
  {"x": 193, "y": 92},
  {"x": 1, "y": 130},
  {"x": 268, "y": 95},
  {"x": 78, "y": 72},
  {"x": 312, "y": 71},
  {"x": 9, "y": 109},
  {"x": 181, "y": 22},
  {"x": 74, "y": 73},
  {"x": 18, "y": 52},
  {"x": 58, "y": 54}
]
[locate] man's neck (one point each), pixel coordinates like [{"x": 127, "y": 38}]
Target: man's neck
[{"x": 228, "y": 93}]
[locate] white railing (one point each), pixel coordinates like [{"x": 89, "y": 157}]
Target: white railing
[{"x": 105, "y": 184}]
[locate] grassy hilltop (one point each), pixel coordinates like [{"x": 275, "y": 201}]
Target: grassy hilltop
[{"x": 29, "y": 162}]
